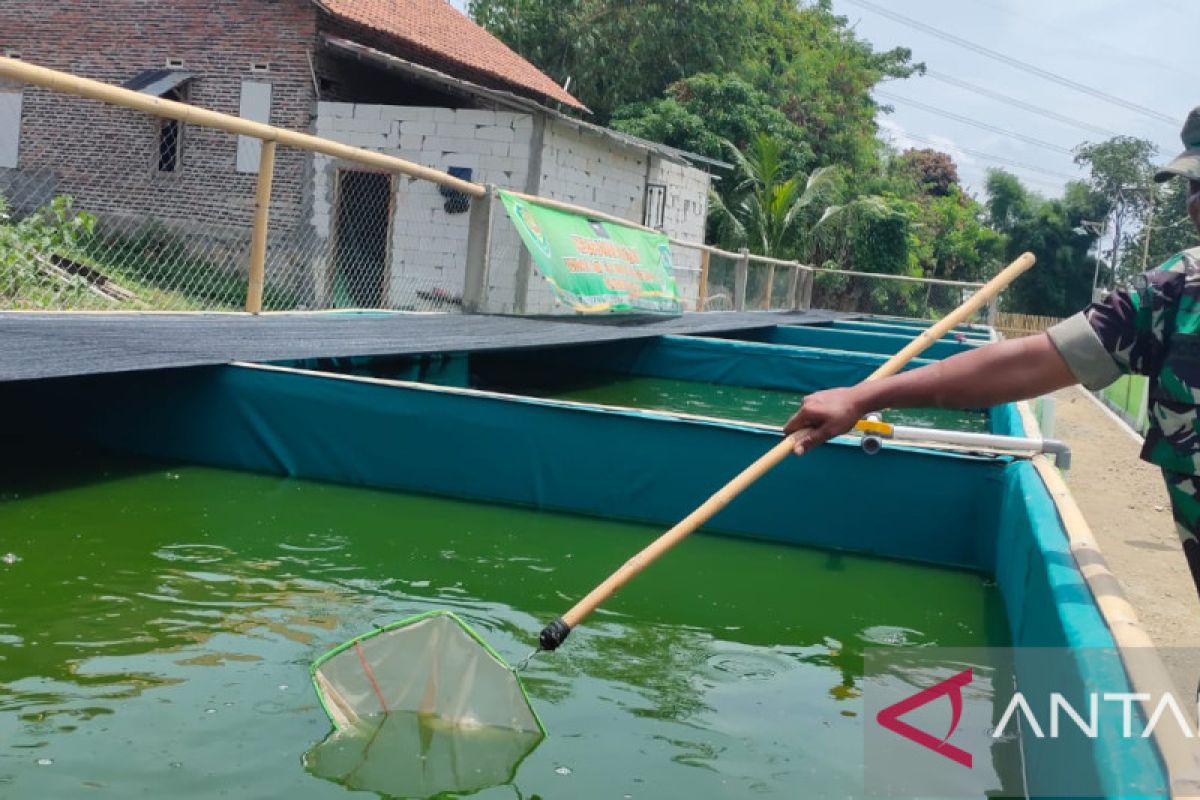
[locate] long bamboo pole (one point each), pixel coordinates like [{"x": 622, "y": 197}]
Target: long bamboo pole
[
  {"x": 702, "y": 291},
  {"x": 554, "y": 633},
  {"x": 572, "y": 208},
  {"x": 258, "y": 238},
  {"x": 170, "y": 109}
]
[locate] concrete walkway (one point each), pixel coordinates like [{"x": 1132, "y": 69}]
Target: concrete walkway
[{"x": 1125, "y": 503}]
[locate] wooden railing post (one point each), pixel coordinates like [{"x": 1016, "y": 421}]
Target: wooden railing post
[
  {"x": 805, "y": 292},
  {"x": 702, "y": 291},
  {"x": 741, "y": 274},
  {"x": 479, "y": 252},
  {"x": 258, "y": 239},
  {"x": 793, "y": 285},
  {"x": 770, "y": 287}
]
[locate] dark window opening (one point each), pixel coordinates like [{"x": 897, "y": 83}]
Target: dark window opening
[
  {"x": 655, "y": 213},
  {"x": 170, "y": 138},
  {"x": 361, "y": 235}
]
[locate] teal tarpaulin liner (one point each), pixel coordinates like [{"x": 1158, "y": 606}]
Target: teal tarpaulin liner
[
  {"x": 986, "y": 514},
  {"x": 904, "y": 330},
  {"x": 729, "y": 362},
  {"x": 855, "y": 341}
]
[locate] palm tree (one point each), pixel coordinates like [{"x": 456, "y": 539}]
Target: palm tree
[
  {"x": 795, "y": 217},
  {"x": 765, "y": 209}
]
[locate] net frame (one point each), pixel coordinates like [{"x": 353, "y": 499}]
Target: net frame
[{"x": 341, "y": 722}]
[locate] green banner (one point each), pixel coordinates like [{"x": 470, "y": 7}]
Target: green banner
[{"x": 595, "y": 265}]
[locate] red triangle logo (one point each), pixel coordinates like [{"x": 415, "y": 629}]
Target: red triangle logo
[{"x": 890, "y": 717}]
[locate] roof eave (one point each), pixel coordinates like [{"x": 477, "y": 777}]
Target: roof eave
[
  {"x": 566, "y": 99},
  {"x": 508, "y": 100}
]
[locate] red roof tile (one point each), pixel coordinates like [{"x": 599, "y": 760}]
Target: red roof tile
[{"x": 442, "y": 33}]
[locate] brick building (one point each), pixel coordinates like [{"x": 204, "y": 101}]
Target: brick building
[{"x": 414, "y": 78}]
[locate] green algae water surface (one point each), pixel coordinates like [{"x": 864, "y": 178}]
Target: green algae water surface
[
  {"x": 742, "y": 403},
  {"x": 157, "y": 624}
]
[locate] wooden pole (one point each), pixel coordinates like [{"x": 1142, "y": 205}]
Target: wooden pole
[
  {"x": 775, "y": 455},
  {"x": 1149, "y": 233},
  {"x": 583, "y": 211},
  {"x": 479, "y": 254},
  {"x": 770, "y": 287},
  {"x": 808, "y": 280},
  {"x": 741, "y": 275},
  {"x": 258, "y": 240},
  {"x": 793, "y": 296},
  {"x": 702, "y": 293},
  {"x": 25, "y": 72}
]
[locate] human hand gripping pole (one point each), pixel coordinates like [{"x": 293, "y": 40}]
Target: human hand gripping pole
[{"x": 557, "y": 631}]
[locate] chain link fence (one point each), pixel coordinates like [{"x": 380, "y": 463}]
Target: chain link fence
[
  {"x": 106, "y": 208},
  {"x": 741, "y": 281},
  {"x": 888, "y": 295},
  {"x": 103, "y": 207}
]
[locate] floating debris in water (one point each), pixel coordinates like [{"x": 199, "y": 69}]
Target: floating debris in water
[
  {"x": 563, "y": 770},
  {"x": 10, "y": 558},
  {"x": 45, "y": 762}
]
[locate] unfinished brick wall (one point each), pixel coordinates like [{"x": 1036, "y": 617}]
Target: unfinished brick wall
[
  {"x": 107, "y": 158},
  {"x": 428, "y": 246},
  {"x": 684, "y": 212}
]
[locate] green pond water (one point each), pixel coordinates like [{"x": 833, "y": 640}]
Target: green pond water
[
  {"x": 743, "y": 403},
  {"x": 157, "y": 624}
]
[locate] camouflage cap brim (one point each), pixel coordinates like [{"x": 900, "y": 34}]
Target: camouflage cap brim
[{"x": 1186, "y": 166}]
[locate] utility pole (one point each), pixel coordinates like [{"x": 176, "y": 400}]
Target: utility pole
[
  {"x": 1149, "y": 232},
  {"x": 1099, "y": 257},
  {"x": 1118, "y": 212}
]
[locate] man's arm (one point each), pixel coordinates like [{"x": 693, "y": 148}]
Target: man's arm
[{"x": 1017, "y": 369}]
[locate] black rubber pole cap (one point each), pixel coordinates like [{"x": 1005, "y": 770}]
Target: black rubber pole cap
[{"x": 553, "y": 634}]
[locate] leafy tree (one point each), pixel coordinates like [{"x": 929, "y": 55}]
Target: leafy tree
[
  {"x": 934, "y": 171},
  {"x": 1061, "y": 283},
  {"x": 1169, "y": 229},
  {"x": 617, "y": 52},
  {"x": 806, "y": 61},
  {"x": 703, "y": 112},
  {"x": 810, "y": 62},
  {"x": 1122, "y": 170},
  {"x": 1118, "y": 163},
  {"x": 765, "y": 212}
]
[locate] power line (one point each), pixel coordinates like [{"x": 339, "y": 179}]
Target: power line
[
  {"x": 989, "y": 157},
  {"x": 1012, "y": 62},
  {"x": 1021, "y": 104},
  {"x": 1077, "y": 39},
  {"x": 973, "y": 122}
]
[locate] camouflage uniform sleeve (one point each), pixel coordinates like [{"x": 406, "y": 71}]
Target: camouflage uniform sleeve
[
  {"x": 1080, "y": 346},
  {"x": 1122, "y": 334}
]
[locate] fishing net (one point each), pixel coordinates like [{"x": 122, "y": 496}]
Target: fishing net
[
  {"x": 432, "y": 665},
  {"x": 421, "y": 707},
  {"x": 411, "y": 756}
]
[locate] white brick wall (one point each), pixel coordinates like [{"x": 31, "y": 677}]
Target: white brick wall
[
  {"x": 583, "y": 168},
  {"x": 684, "y": 214},
  {"x": 428, "y": 246}
]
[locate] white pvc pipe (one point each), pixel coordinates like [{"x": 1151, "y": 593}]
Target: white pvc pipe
[{"x": 978, "y": 441}]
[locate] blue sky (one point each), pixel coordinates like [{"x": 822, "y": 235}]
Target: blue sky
[
  {"x": 1138, "y": 51},
  {"x": 1142, "y": 52}
]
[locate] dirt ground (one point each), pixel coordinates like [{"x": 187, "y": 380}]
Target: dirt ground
[{"x": 1125, "y": 503}]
